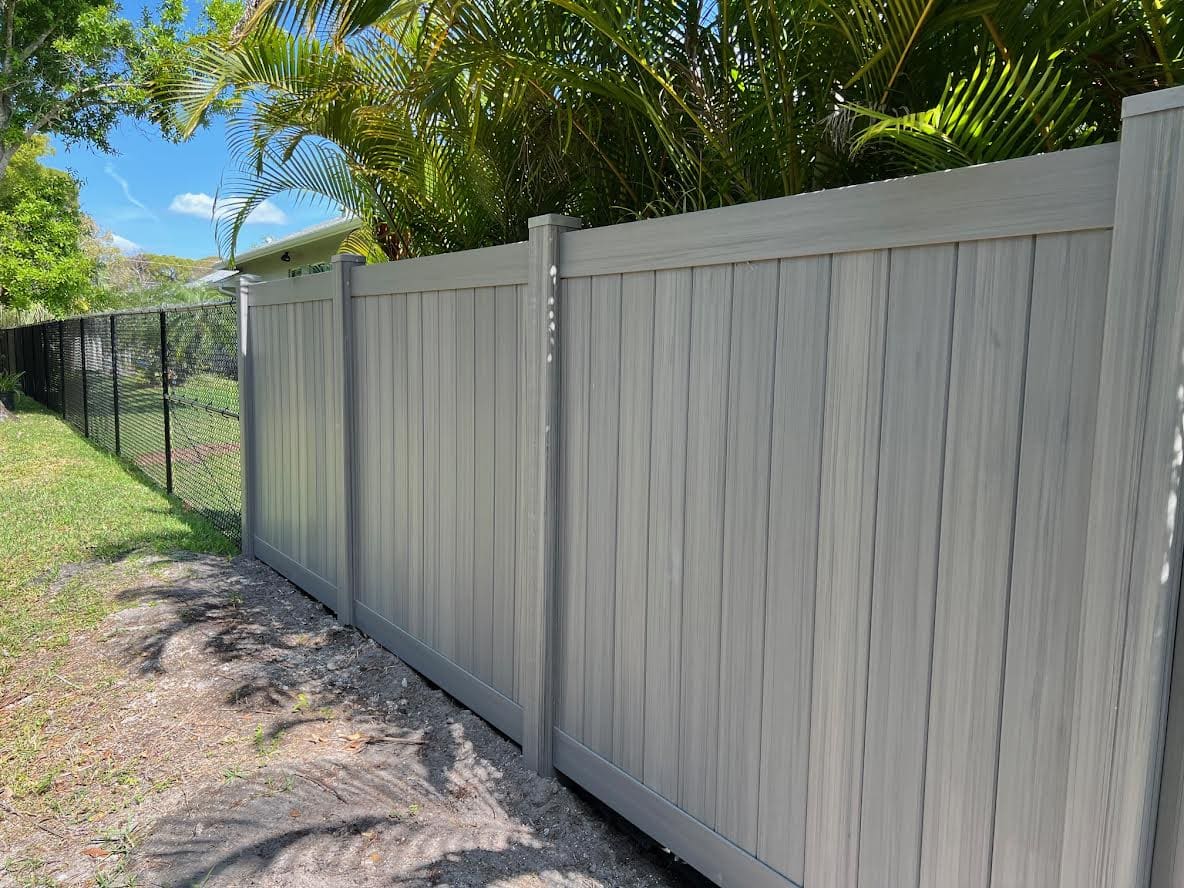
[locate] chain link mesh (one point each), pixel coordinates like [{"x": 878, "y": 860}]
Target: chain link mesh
[
  {"x": 105, "y": 374},
  {"x": 100, "y": 388},
  {"x": 204, "y": 412},
  {"x": 75, "y": 394},
  {"x": 53, "y": 361}
]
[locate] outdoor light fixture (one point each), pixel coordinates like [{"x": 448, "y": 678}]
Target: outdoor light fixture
[{"x": 287, "y": 257}]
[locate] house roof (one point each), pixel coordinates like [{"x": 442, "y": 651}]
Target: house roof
[
  {"x": 342, "y": 225},
  {"x": 215, "y": 277}
]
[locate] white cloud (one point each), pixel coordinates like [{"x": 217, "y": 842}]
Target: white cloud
[
  {"x": 140, "y": 211},
  {"x": 206, "y": 207},
  {"x": 124, "y": 245}
]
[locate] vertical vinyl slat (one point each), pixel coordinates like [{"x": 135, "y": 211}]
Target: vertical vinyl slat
[
  {"x": 664, "y": 583},
  {"x": 311, "y": 385},
  {"x": 485, "y": 331},
  {"x": 306, "y": 389},
  {"x": 711, "y": 321},
  {"x": 362, "y": 577},
  {"x": 978, "y": 512},
  {"x": 465, "y": 488},
  {"x": 295, "y": 428},
  {"x": 430, "y": 312},
  {"x": 574, "y": 489},
  {"x": 799, "y": 391},
  {"x": 603, "y": 424},
  {"x": 447, "y": 598},
  {"x": 632, "y": 520},
  {"x": 313, "y": 451},
  {"x": 400, "y": 462},
  {"x": 416, "y": 472},
  {"x": 505, "y": 447},
  {"x": 270, "y": 317},
  {"x": 369, "y": 475},
  {"x": 260, "y": 394},
  {"x": 386, "y": 482},
  {"x": 851, "y": 431},
  {"x": 904, "y": 576},
  {"x": 321, "y": 435},
  {"x": 299, "y": 426},
  {"x": 275, "y": 421},
  {"x": 1056, "y": 454},
  {"x": 745, "y": 552},
  {"x": 335, "y": 515}
]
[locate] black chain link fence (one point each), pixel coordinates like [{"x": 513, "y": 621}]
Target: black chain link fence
[{"x": 158, "y": 387}]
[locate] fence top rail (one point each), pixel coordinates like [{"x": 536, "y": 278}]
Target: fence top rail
[
  {"x": 185, "y": 306},
  {"x": 287, "y": 291},
  {"x": 486, "y": 267},
  {"x": 1059, "y": 192}
]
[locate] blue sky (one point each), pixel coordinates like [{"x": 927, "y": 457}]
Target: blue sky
[{"x": 158, "y": 196}]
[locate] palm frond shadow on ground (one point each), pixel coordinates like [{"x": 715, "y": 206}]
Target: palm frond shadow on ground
[{"x": 427, "y": 791}]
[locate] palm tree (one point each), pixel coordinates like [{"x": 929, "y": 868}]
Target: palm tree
[{"x": 447, "y": 124}]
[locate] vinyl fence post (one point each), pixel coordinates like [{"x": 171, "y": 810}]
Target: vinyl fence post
[
  {"x": 85, "y": 399},
  {"x": 343, "y": 266},
  {"x": 164, "y": 392},
  {"x": 246, "y": 414},
  {"x": 539, "y": 327},
  {"x": 1134, "y": 544},
  {"x": 115, "y": 387}
]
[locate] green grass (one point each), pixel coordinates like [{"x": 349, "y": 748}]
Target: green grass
[
  {"x": 206, "y": 467},
  {"x": 63, "y": 501}
]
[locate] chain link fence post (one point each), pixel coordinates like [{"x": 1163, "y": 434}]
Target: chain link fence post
[
  {"x": 82, "y": 352},
  {"x": 164, "y": 388},
  {"x": 62, "y": 364},
  {"x": 115, "y": 388}
]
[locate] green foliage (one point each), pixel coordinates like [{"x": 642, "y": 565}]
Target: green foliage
[
  {"x": 145, "y": 280},
  {"x": 74, "y": 67},
  {"x": 41, "y": 231},
  {"x": 446, "y": 124}
]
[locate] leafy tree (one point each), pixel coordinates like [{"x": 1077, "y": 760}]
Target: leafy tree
[
  {"x": 74, "y": 67},
  {"x": 446, "y": 124},
  {"x": 42, "y": 228}
]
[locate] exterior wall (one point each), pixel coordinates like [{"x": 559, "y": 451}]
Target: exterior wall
[
  {"x": 271, "y": 267},
  {"x": 832, "y": 526}
]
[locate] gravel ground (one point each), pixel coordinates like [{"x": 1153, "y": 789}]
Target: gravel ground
[{"x": 256, "y": 742}]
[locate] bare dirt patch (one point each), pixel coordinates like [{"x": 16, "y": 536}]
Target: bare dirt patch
[
  {"x": 224, "y": 729},
  {"x": 194, "y": 455}
]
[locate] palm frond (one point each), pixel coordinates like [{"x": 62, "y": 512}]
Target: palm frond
[{"x": 1001, "y": 111}]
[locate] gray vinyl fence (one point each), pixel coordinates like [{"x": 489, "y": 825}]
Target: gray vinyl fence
[{"x": 830, "y": 539}]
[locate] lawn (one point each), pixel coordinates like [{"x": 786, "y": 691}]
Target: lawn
[
  {"x": 63, "y": 502},
  {"x": 206, "y": 463}
]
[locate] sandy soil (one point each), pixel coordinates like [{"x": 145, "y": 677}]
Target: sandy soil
[{"x": 256, "y": 742}]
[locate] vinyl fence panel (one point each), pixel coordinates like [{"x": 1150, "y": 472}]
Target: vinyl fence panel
[
  {"x": 435, "y": 469},
  {"x": 862, "y": 565},
  {"x": 830, "y": 539},
  {"x": 294, "y": 499}
]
